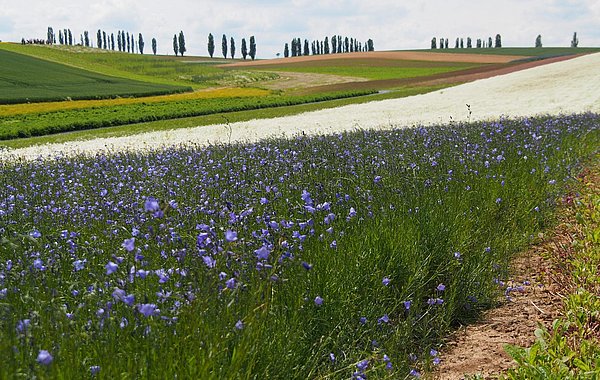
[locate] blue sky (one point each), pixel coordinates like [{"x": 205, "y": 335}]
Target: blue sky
[{"x": 392, "y": 24}]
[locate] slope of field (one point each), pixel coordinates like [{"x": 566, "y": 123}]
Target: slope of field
[
  {"x": 569, "y": 86},
  {"x": 28, "y": 79},
  {"x": 391, "y": 55},
  {"x": 170, "y": 70}
]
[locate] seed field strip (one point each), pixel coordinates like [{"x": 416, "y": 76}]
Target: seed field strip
[
  {"x": 564, "y": 87},
  {"x": 21, "y": 109}
]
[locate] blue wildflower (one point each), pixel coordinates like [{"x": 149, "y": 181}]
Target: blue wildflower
[{"x": 44, "y": 357}]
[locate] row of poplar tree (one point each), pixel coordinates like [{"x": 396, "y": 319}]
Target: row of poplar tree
[
  {"x": 123, "y": 41},
  {"x": 126, "y": 42},
  {"x": 460, "y": 43},
  {"x": 339, "y": 44}
]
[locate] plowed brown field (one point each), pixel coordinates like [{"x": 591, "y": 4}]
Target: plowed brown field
[{"x": 395, "y": 55}]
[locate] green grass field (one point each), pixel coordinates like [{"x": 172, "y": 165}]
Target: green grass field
[
  {"x": 27, "y": 79},
  {"x": 197, "y": 72},
  {"x": 374, "y": 69}
]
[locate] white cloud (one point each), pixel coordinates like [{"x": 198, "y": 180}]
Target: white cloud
[{"x": 391, "y": 24}]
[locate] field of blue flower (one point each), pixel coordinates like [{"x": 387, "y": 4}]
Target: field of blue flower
[{"x": 326, "y": 257}]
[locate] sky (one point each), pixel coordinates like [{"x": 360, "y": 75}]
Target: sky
[{"x": 392, "y": 24}]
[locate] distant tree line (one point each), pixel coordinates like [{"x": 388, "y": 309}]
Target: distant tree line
[
  {"x": 443, "y": 43},
  {"x": 123, "y": 41},
  {"x": 336, "y": 45}
]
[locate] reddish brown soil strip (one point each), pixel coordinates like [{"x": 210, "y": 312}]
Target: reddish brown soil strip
[
  {"x": 454, "y": 77},
  {"x": 396, "y": 55}
]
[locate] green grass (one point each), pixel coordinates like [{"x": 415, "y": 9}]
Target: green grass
[
  {"x": 216, "y": 118},
  {"x": 27, "y": 79},
  {"x": 373, "y": 69},
  {"x": 198, "y": 72},
  {"x": 420, "y": 207},
  {"x": 571, "y": 348}
]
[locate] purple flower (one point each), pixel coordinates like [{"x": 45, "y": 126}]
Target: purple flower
[
  {"x": 119, "y": 294},
  {"x": 332, "y": 357},
  {"x": 39, "y": 264},
  {"x": 433, "y": 352},
  {"x": 362, "y": 365},
  {"x": 230, "y": 284},
  {"x": 383, "y": 319},
  {"x": 23, "y": 324},
  {"x": 457, "y": 255},
  {"x": 35, "y": 234},
  {"x": 414, "y": 373},
  {"x": 148, "y": 309},
  {"x": 129, "y": 244},
  {"x": 44, "y": 357},
  {"x": 377, "y": 179},
  {"x": 151, "y": 205},
  {"x": 239, "y": 325},
  {"x": 385, "y": 281},
  {"x": 363, "y": 320},
  {"x": 306, "y": 265},
  {"x": 94, "y": 369},
  {"x": 230, "y": 236},
  {"x": 262, "y": 253},
  {"x": 209, "y": 261},
  {"x": 441, "y": 287},
  {"x": 111, "y": 267},
  {"x": 79, "y": 264},
  {"x": 318, "y": 301},
  {"x": 407, "y": 305},
  {"x": 352, "y": 212}
]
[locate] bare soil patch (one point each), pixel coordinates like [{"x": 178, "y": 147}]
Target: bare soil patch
[
  {"x": 531, "y": 298},
  {"x": 291, "y": 80},
  {"x": 396, "y": 55}
]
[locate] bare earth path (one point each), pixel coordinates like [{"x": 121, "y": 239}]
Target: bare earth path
[{"x": 569, "y": 86}]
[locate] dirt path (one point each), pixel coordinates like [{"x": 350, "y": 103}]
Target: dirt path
[{"x": 532, "y": 298}]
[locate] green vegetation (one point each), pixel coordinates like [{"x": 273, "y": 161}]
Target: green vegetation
[
  {"x": 217, "y": 118},
  {"x": 370, "y": 69},
  {"x": 27, "y": 79},
  {"x": 374, "y": 69},
  {"x": 321, "y": 257},
  {"x": 152, "y": 69},
  {"x": 571, "y": 349},
  {"x": 38, "y": 124}
]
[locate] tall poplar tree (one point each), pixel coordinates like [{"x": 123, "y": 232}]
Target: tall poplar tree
[
  {"x": 154, "y": 46},
  {"x": 224, "y": 46},
  {"x": 252, "y": 51},
  {"x": 175, "y": 45},
  {"x": 211, "y": 44},
  {"x": 181, "y": 41},
  {"x": 141, "y": 43},
  {"x": 232, "y": 47},
  {"x": 244, "y": 48}
]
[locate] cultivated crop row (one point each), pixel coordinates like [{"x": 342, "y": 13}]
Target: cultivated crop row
[
  {"x": 313, "y": 257},
  {"x": 39, "y": 124}
]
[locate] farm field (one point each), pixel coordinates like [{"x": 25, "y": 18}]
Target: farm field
[
  {"x": 365, "y": 76},
  {"x": 27, "y": 79},
  {"x": 310, "y": 257},
  {"x": 568, "y": 86}
]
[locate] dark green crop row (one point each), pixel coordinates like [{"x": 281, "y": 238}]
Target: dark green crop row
[{"x": 13, "y": 127}]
